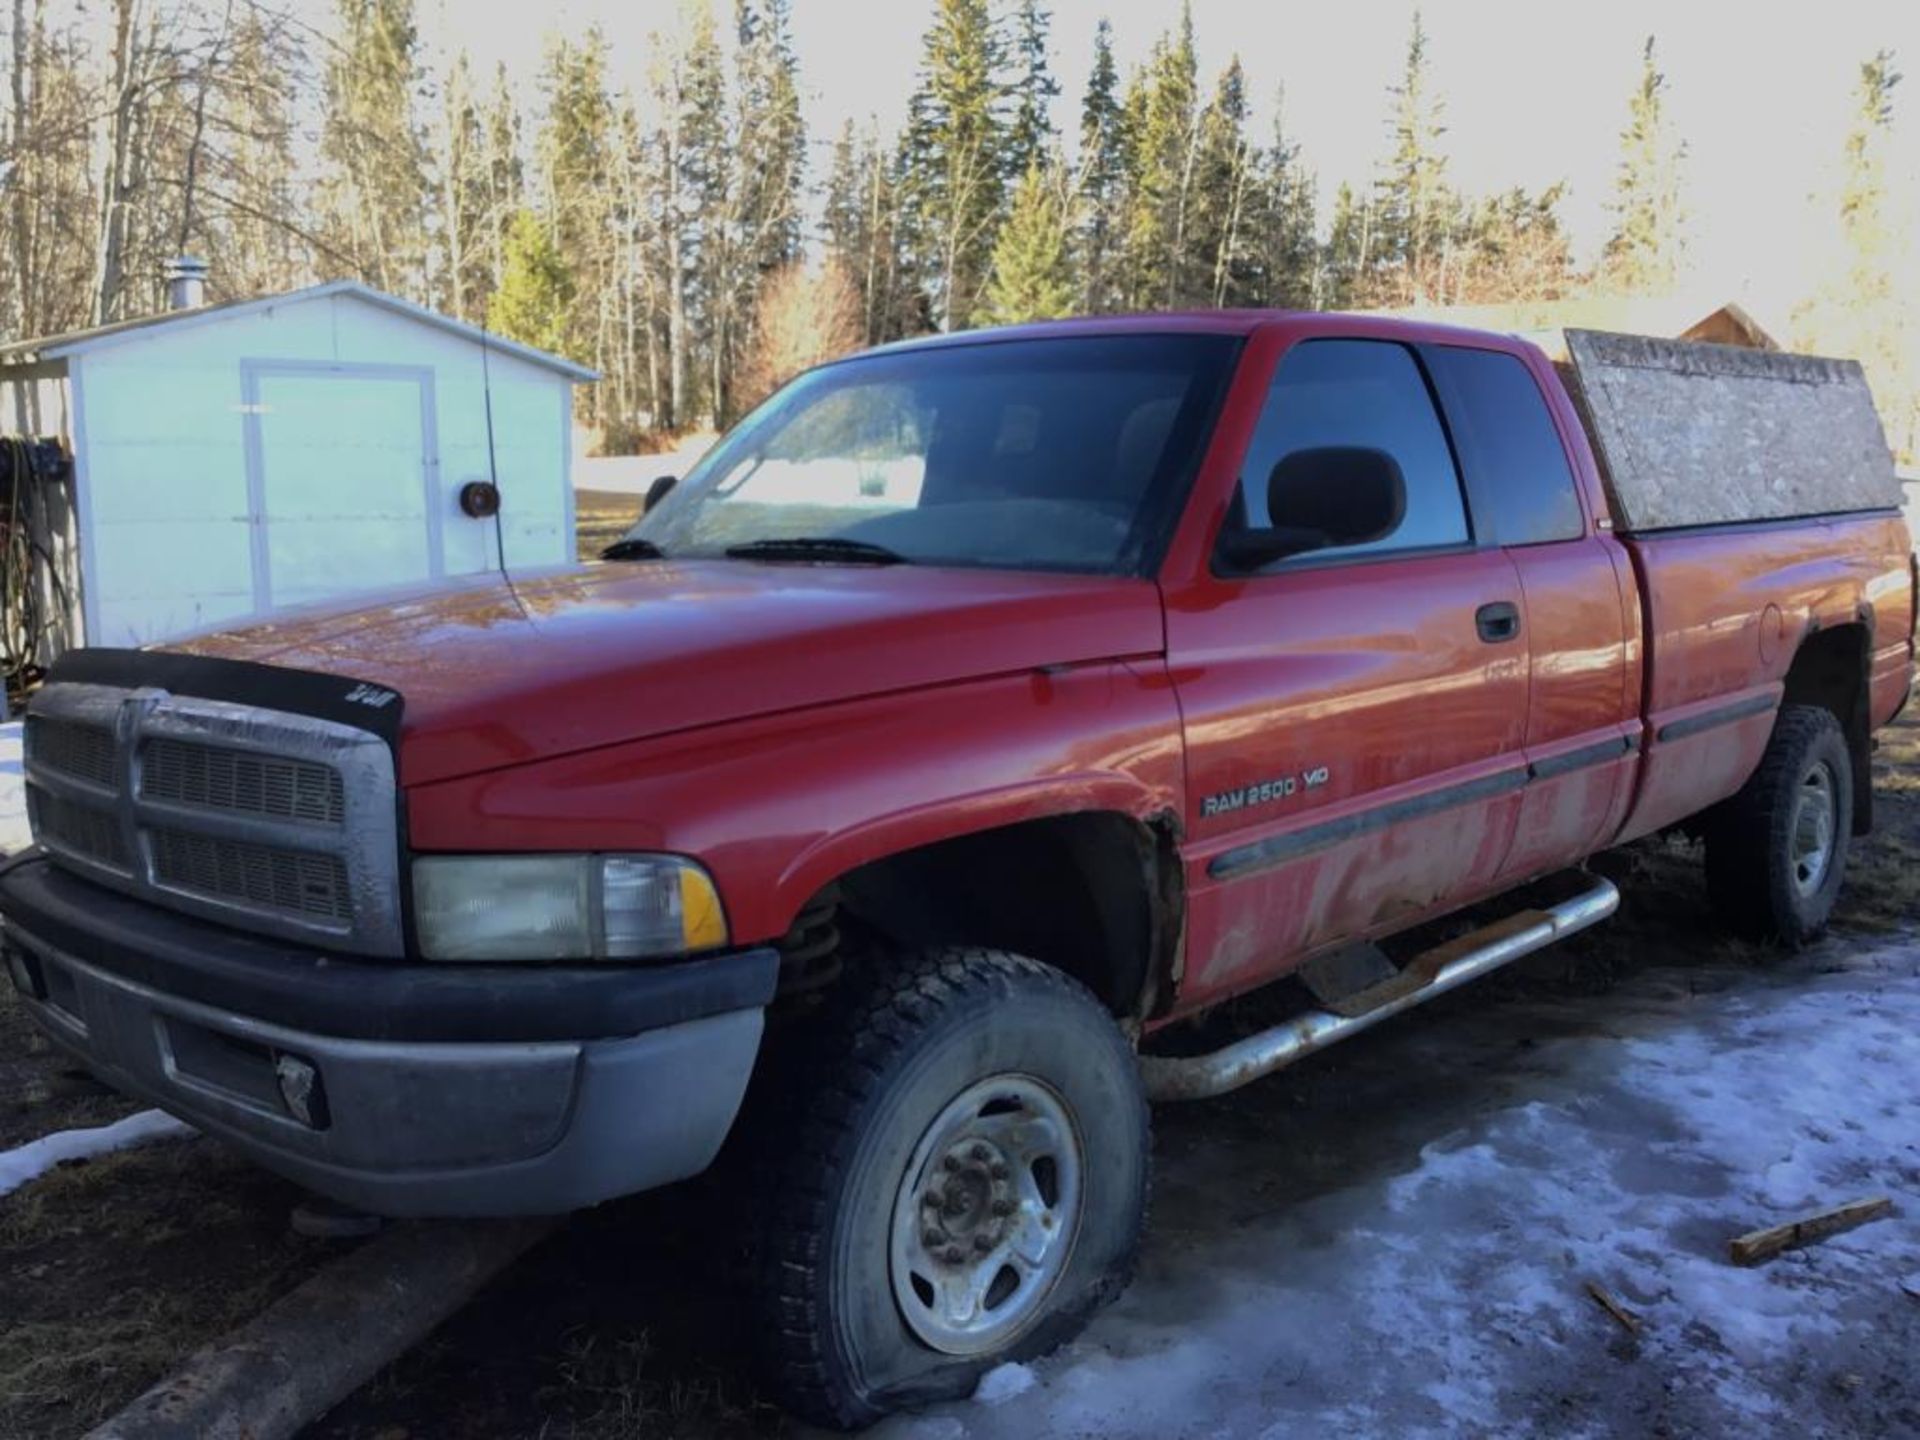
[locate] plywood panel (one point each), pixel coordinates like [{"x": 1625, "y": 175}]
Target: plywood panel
[{"x": 1692, "y": 434}]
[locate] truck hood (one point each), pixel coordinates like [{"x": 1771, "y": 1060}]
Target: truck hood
[{"x": 498, "y": 672}]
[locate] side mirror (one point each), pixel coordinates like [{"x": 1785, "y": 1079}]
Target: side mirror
[
  {"x": 658, "y": 491},
  {"x": 1323, "y": 499}
]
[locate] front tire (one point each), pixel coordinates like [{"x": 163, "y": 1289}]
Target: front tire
[
  {"x": 1777, "y": 852},
  {"x": 963, "y": 1183}
]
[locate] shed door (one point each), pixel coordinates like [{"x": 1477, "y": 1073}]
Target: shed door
[{"x": 342, "y": 474}]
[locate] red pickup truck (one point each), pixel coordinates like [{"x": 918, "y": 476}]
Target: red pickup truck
[{"x": 975, "y": 710}]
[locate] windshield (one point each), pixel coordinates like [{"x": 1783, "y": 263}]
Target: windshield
[{"x": 1058, "y": 454}]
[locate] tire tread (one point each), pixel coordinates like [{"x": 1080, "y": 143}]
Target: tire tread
[
  {"x": 1750, "y": 892},
  {"x": 853, "y": 1049}
]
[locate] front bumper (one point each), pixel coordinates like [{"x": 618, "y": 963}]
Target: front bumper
[{"x": 437, "y": 1089}]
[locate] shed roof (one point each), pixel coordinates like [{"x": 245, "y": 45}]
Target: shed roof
[{"x": 78, "y": 342}]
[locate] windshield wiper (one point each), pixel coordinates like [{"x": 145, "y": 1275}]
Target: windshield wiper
[
  {"x": 633, "y": 548},
  {"x": 817, "y": 547}
]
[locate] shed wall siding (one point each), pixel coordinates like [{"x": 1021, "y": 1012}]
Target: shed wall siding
[{"x": 169, "y": 534}]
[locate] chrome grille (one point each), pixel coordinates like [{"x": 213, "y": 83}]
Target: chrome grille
[
  {"x": 210, "y": 777},
  {"x": 85, "y": 752},
  {"x": 263, "y": 819},
  {"x": 263, "y": 876}
]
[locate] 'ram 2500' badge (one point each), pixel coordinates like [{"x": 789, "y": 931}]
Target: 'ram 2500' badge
[{"x": 1267, "y": 792}]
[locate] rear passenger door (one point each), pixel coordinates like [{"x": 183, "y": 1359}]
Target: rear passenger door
[
  {"x": 1354, "y": 717},
  {"x": 1582, "y": 727}
]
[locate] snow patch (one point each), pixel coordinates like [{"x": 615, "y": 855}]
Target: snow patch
[
  {"x": 1428, "y": 1276},
  {"x": 14, "y": 833},
  {"x": 1003, "y": 1383},
  {"x": 36, "y": 1157}
]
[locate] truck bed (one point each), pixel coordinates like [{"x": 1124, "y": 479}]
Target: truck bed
[{"x": 1725, "y": 609}]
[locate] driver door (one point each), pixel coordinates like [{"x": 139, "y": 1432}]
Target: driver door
[{"x": 1354, "y": 715}]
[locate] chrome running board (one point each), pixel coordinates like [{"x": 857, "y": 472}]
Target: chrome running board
[{"x": 1201, "y": 1077}]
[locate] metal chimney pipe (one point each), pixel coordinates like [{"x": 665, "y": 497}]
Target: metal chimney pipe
[{"x": 186, "y": 282}]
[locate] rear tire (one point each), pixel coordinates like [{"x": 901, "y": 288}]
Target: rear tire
[
  {"x": 1777, "y": 851},
  {"x": 962, "y": 1181}
]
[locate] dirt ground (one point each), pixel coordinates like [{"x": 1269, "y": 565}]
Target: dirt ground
[{"x": 112, "y": 1270}]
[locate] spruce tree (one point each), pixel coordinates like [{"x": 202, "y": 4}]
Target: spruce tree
[
  {"x": 374, "y": 187},
  {"x": 843, "y": 203},
  {"x": 771, "y": 135},
  {"x": 505, "y": 174},
  {"x": 860, "y": 227},
  {"x": 1648, "y": 241},
  {"x": 1032, "y": 260},
  {"x": 755, "y": 225},
  {"x": 1513, "y": 249},
  {"x": 1280, "y": 244},
  {"x": 576, "y": 149},
  {"x": 1220, "y": 242},
  {"x": 954, "y": 157},
  {"x": 1412, "y": 205},
  {"x": 1349, "y": 252},
  {"x": 536, "y": 291},
  {"x": 1030, "y": 138},
  {"x": 688, "y": 178},
  {"x": 1102, "y": 178},
  {"x": 1165, "y": 141}
]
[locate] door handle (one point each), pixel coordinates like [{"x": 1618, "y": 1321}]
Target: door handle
[{"x": 1497, "y": 621}]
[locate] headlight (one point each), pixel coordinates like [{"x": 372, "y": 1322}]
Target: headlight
[{"x": 563, "y": 907}]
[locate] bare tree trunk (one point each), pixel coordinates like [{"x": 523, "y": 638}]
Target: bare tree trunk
[
  {"x": 189, "y": 190},
  {"x": 870, "y": 330},
  {"x": 116, "y": 181},
  {"x": 722, "y": 338},
  {"x": 453, "y": 217},
  {"x": 1230, "y": 236},
  {"x": 20, "y": 313},
  {"x": 1176, "y": 261}
]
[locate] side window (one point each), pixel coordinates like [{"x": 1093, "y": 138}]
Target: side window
[
  {"x": 1515, "y": 462},
  {"x": 1341, "y": 394}
]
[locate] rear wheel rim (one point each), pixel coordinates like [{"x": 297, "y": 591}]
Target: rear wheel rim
[
  {"x": 1811, "y": 835},
  {"x": 986, "y": 1215}
]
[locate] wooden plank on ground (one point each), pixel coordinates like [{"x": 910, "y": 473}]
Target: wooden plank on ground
[{"x": 1760, "y": 1245}]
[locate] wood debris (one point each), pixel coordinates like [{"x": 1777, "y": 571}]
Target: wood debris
[
  {"x": 1623, "y": 1317},
  {"x": 1760, "y": 1245}
]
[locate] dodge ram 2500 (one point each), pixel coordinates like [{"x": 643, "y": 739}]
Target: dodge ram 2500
[{"x": 973, "y": 711}]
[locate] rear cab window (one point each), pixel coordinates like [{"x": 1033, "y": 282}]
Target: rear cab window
[
  {"x": 1356, "y": 393},
  {"x": 1515, "y": 462}
]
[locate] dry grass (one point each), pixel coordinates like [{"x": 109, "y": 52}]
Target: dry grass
[
  {"x": 41, "y": 1090},
  {"x": 114, "y": 1269},
  {"x": 600, "y": 518}
]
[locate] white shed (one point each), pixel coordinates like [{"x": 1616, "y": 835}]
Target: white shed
[{"x": 233, "y": 459}]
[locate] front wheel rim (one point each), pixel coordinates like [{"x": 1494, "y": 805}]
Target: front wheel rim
[
  {"x": 986, "y": 1215},
  {"x": 1812, "y": 833}
]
